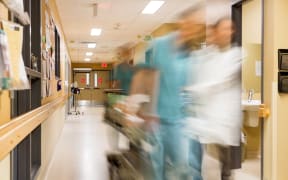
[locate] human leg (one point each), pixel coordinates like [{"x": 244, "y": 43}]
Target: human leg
[
  {"x": 176, "y": 150},
  {"x": 224, "y": 153},
  {"x": 157, "y": 153},
  {"x": 195, "y": 158}
]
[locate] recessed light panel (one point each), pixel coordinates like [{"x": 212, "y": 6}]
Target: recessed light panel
[
  {"x": 152, "y": 7},
  {"x": 96, "y": 32}
]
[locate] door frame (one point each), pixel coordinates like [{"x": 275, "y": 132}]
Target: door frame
[
  {"x": 91, "y": 86},
  {"x": 238, "y": 4}
]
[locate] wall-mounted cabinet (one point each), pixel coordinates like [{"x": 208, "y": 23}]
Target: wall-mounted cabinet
[
  {"x": 26, "y": 100},
  {"x": 26, "y": 157}
]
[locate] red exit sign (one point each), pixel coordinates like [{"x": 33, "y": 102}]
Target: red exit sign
[{"x": 104, "y": 65}]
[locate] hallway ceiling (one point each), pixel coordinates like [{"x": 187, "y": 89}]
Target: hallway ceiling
[{"x": 121, "y": 22}]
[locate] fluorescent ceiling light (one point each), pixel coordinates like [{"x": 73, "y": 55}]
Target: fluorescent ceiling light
[
  {"x": 96, "y": 32},
  {"x": 89, "y": 54},
  {"x": 152, "y": 7},
  {"x": 91, "y": 45},
  {"x": 87, "y": 59}
]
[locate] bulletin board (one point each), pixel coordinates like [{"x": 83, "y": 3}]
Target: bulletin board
[{"x": 48, "y": 57}]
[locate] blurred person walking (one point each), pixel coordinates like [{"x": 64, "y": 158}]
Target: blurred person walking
[
  {"x": 121, "y": 79},
  {"x": 123, "y": 72},
  {"x": 169, "y": 56},
  {"x": 215, "y": 114}
]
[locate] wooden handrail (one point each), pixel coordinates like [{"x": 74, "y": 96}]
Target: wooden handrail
[{"x": 13, "y": 132}]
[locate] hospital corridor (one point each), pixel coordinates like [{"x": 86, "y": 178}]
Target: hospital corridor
[{"x": 143, "y": 90}]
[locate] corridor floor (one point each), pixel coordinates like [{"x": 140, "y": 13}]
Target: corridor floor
[
  {"x": 81, "y": 150},
  {"x": 80, "y": 153}
]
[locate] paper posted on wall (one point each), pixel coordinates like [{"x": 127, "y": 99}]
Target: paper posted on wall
[
  {"x": 17, "y": 7},
  {"x": 17, "y": 73},
  {"x": 4, "y": 61}
]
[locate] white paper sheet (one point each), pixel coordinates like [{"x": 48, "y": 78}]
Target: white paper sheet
[
  {"x": 18, "y": 74},
  {"x": 258, "y": 68}
]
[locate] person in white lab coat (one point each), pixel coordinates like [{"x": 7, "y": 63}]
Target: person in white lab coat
[{"x": 215, "y": 93}]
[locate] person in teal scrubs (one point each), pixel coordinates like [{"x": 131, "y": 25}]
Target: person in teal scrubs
[
  {"x": 170, "y": 55},
  {"x": 123, "y": 72}
]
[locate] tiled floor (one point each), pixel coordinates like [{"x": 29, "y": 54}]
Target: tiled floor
[
  {"x": 80, "y": 154},
  {"x": 251, "y": 170}
]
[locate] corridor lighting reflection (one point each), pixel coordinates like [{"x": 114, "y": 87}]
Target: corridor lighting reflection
[
  {"x": 87, "y": 59},
  {"x": 91, "y": 45},
  {"x": 89, "y": 54}
]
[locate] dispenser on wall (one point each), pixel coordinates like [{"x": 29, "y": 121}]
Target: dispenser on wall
[{"x": 283, "y": 70}]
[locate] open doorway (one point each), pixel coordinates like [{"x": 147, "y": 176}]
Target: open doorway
[{"x": 248, "y": 18}]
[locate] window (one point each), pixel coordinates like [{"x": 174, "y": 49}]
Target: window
[
  {"x": 57, "y": 54},
  {"x": 95, "y": 80},
  {"x": 87, "y": 79}
]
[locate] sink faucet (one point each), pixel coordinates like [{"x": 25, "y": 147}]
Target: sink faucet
[{"x": 250, "y": 95}]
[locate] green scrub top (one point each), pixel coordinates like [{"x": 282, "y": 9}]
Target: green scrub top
[
  {"x": 123, "y": 73},
  {"x": 171, "y": 62}
]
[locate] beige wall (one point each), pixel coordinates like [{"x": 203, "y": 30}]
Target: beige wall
[
  {"x": 281, "y": 36},
  {"x": 139, "y": 55},
  {"x": 4, "y": 107},
  {"x": 140, "y": 48},
  {"x": 249, "y": 78},
  {"x": 253, "y": 141},
  {"x": 3, "y": 12},
  {"x": 251, "y": 42},
  {"x": 164, "y": 29},
  {"x": 51, "y": 131},
  {"x": 276, "y": 146},
  {"x": 251, "y": 19},
  {"x": 5, "y": 168}
]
